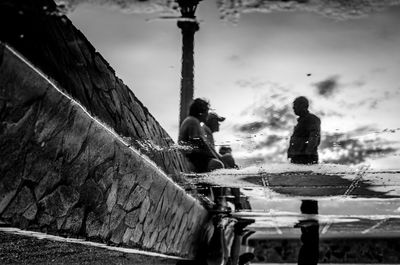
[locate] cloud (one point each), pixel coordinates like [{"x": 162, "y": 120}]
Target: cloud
[
  {"x": 379, "y": 70},
  {"x": 252, "y": 127},
  {"x": 126, "y": 6},
  {"x": 264, "y": 137},
  {"x": 346, "y": 148},
  {"x": 336, "y": 9},
  {"x": 253, "y": 84},
  {"x": 271, "y": 141},
  {"x": 232, "y": 9},
  {"x": 372, "y": 102},
  {"x": 326, "y": 88}
]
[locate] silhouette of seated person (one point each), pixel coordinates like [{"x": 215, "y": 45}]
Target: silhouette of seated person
[
  {"x": 309, "y": 251},
  {"x": 202, "y": 156},
  {"x": 227, "y": 158},
  {"x": 211, "y": 126},
  {"x": 303, "y": 147}
]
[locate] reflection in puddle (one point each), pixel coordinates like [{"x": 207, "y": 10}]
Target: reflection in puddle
[
  {"x": 309, "y": 251},
  {"x": 331, "y": 212}
]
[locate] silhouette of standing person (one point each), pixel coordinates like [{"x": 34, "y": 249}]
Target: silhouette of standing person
[
  {"x": 303, "y": 147},
  {"x": 309, "y": 251}
]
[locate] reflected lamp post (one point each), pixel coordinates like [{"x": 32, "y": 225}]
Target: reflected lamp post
[{"x": 188, "y": 25}]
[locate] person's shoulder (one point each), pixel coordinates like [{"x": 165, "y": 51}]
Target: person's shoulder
[
  {"x": 190, "y": 120},
  {"x": 206, "y": 128},
  {"x": 313, "y": 117}
]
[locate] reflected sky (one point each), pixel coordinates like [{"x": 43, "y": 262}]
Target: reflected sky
[
  {"x": 352, "y": 202},
  {"x": 253, "y": 69}
]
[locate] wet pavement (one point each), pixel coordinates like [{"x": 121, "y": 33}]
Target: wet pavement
[{"x": 351, "y": 202}]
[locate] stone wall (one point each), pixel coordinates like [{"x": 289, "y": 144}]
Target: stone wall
[
  {"x": 38, "y": 31},
  {"x": 62, "y": 171}
]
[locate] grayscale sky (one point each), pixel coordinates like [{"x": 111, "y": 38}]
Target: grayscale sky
[{"x": 253, "y": 69}]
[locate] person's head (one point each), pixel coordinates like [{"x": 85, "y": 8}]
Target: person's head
[
  {"x": 225, "y": 150},
  {"x": 213, "y": 121},
  {"x": 199, "y": 109},
  {"x": 300, "y": 105}
]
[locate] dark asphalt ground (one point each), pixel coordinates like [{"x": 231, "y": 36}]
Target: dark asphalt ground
[{"x": 17, "y": 249}]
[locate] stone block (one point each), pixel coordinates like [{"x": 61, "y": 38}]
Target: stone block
[
  {"x": 164, "y": 247},
  {"x": 75, "y": 137},
  {"x": 125, "y": 185},
  {"x": 55, "y": 112},
  {"x": 174, "y": 227},
  {"x": 59, "y": 202},
  {"x": 162, "y": 235},
  {"x": 144, "y": 209},
  {"x": 118, "y": 233},
  {"x": 128, "y": 235},
  {"x": 36, "y": 167},
  {"x": 105, "y": 228},
  {"x": 93, "y": 225},
  {"x": 90, "y": 195},
  {"x": 145, "y": 177},
  {"x": 157, "y": 189},
  {"x": 136, "y": 197},
  {"x": 100, "y": 144},
  {"x": 74, "y": 221},
  {"x": 187, "y": 204},
  {"x": 117, "y": 216},
  {"x": 22, "y": 201},
  {"x": 137, "y": 235},
  {"x": 50, "y": 180},
  {"x": 148, "y": 221},
  {"x": 60, "y": 222},
  {"x": 44, "y": 219},
  {"x": 159, "y": 211},
  {"x": 195, "y": 216},
  {"x": 76, "y": 172},
  {"x": 31, "y": 212},
  {"x": 117, "y": 101},
  {"x": 153, "y": 240},
  {"x": 105, "y": 178},
  {"x": 5, "y": 197},
  {"x": 132, "y": 218},
  {"x": 112, "y": 196},
  {"x": 178, "y": 240}
]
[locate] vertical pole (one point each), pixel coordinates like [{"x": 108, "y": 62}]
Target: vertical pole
[{"x": 188, "y": 29}]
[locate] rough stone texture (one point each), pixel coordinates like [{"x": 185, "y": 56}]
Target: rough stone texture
[
  {"x": 20, "y": 204},
  {"x": 74, "y": 221},
  {"x": 96, "y": 187},
  {"x": 55, "y": 46},
  {"x": 59, "y": 202}
]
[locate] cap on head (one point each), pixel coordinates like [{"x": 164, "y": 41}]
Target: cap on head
[{"x": 214, "y": 116}]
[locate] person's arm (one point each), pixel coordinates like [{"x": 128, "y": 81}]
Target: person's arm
[
  {"x": 199, "y": 143},
  {"x": 314, "y": 137},
  {"x": 290, "y": 149}
]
